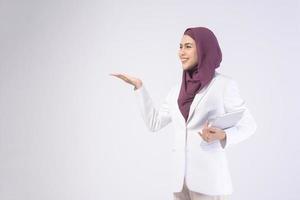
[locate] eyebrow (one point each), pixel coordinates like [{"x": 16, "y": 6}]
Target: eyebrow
[{"x": 186, "y": 43}]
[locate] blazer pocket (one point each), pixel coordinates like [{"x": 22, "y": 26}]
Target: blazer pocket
[{"x": 211, "y": 146}]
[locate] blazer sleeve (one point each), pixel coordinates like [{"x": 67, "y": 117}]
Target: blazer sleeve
[
  {"x": 246, "y": 126},
  {"x": 155, "y": 117}
]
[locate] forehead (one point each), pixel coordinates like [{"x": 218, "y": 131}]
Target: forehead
[{"x": 187, "y": 39}]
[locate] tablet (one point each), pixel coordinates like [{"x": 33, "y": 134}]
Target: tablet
[{"x": 227, "y": 120}]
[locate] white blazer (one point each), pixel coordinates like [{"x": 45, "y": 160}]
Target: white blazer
[{"x": 204, "y": 167}]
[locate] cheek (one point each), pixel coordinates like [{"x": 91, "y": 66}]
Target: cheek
[
  {"x": 194, "y": 60},
  {"x": 195, "y": 56}
]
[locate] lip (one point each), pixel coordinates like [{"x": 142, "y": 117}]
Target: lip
[{"x": 184, "y": 59}]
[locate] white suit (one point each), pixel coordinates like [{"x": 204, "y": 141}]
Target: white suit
[{"x": 204, "y": 167}]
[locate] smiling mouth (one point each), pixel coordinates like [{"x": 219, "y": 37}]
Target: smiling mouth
[{"x": 184, "y": 60}]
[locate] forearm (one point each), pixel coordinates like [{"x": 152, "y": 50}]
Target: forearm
[{"x": 155, "y": 117}]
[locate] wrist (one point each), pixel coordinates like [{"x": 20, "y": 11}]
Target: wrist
[
  {"x": 223, "y": 135},
  {"x": 138, "y": 85}
]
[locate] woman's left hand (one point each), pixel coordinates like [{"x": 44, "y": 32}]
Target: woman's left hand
[{"x": 210, "y": 134}]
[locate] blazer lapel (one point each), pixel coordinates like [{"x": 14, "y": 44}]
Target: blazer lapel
[{"x": 198, "y": 97}]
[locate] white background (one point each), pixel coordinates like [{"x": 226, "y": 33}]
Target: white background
[{"x": 68, "y": 130}]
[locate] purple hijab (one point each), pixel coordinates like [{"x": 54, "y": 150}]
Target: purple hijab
[{"x": 209, "y": 58}]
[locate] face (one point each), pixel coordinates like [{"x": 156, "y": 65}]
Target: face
[{"x": 188, "y": 52}]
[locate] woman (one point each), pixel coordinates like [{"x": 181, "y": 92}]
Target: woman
[{"x": 200, "y": 169}]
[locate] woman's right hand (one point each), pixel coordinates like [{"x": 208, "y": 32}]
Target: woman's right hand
[{"x": 137, "y": 83}]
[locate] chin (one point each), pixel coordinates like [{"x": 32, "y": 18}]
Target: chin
[{"x": 186, "y": 67}]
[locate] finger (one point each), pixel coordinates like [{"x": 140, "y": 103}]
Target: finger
[
  {"x": 206, "y": 132},
  {"x": 203, "y": 131},
  {"x": 212, "y": 137},
  {"x": 202, "y": 135},
  {"x": 207, "y": 138},
  {"x": 127, "y": 78},
  {"x": 117, "y": 74},
  {"x": 206, "y": 124},
  {"x": 123, "y": 77},
  {"x": 212, "y": 131},
  {"x": 214, "y": 128},
  {"x": 113, "y": 74}
]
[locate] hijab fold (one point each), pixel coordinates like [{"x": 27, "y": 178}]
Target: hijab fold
[{"x": 209, "y": 58}]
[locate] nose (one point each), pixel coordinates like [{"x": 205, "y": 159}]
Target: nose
[{"x": 181, "y": 52}]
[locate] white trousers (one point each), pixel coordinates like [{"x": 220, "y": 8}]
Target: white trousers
[{"x": 187, "y": 194}]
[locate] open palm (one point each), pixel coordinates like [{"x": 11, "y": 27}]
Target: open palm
[{"x": 136, "y": 82}]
